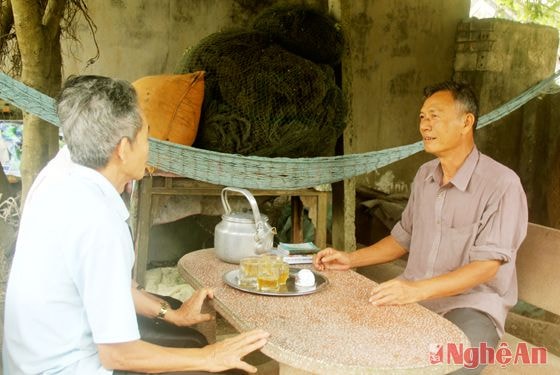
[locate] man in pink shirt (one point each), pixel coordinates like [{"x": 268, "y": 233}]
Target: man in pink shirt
[{"x": 464, "y": 222}]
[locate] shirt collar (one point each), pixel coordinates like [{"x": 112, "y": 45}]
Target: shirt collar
[
  {"x": 463, "y": 175},
  {"x": 107, "y": 189}
]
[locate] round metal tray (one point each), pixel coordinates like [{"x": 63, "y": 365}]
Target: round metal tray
[{"x": 231, "y": 278}]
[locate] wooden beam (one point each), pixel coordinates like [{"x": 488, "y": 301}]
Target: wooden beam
[{"x": 344, "y": 192}]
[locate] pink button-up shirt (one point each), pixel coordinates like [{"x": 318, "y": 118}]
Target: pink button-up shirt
[{"x": 481, "y": 214}]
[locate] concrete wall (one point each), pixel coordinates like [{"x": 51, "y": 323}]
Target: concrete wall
[
  {"x": 501, "y": 59},
  {"x": 145, "y": 37},
  {"x": 397, "y": 48}
]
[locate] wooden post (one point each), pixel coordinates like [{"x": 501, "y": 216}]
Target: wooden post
[
  {"x": 321, "y": 222},
  {"x": 142, "y": 229},
  {"x": 344, "y": 192}
]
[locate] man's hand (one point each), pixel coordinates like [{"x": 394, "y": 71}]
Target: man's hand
[
  {"x": 399, "y": 292},
  {"x": 189, "y": 312},
  {"x": 331, "y": 259},
  {"x": 395, "y": 292},
  {"x": 227, "y": 354}
]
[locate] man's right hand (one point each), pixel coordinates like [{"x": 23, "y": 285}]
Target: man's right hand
[
  {"x": 331, "y": 259},
  {"x": 228, "y": 353},
  {"x": 190, "y": 311},
  {"x": 144, "y": 357}
]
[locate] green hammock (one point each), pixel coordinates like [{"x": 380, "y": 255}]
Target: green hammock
[{"x": 252, "y": 171}]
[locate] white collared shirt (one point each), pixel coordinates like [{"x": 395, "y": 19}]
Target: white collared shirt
[{"x": 70, "y": 283}]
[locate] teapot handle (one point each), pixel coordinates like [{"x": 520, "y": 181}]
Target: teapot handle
[
  {"x": 250, "y": 198},
  {"x": 263, "y": 231}
]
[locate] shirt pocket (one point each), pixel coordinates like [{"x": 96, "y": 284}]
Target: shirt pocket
[{"x": 454, "y": 247}]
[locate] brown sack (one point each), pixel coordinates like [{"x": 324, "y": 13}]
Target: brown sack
[{"x": 172, "y": 105}]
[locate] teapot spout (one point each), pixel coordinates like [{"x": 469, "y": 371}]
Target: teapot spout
[{"x": 265, "y": 238}]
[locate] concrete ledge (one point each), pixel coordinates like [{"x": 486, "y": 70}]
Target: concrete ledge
[{"x": 552, "y": 367}]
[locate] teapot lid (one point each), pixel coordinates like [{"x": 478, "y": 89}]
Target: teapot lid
[{"x": 243, "y": 217}]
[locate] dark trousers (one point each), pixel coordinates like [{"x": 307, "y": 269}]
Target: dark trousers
[
  {"x": 165, "y": 334},
  {"x": 478, "y": 327}
]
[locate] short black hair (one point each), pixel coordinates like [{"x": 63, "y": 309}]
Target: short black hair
[{"x": 462, "y": 92}]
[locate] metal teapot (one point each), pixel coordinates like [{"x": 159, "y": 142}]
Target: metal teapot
[{"x": 242, "y": 234}]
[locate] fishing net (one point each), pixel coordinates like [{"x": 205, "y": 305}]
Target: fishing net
[
  {"x": 303, "y": 30},
  {"x": 213, "y": 52},
  {"x": 261, "y": 99}
]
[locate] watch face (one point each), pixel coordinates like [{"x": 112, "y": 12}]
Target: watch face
[{"x": 162, "y": 310}]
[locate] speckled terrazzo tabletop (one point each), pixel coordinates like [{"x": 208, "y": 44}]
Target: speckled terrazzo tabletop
[{"x": 333, "y": 331}]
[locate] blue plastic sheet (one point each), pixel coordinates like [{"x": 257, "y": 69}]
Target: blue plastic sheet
[
  {"x": 10, "y": 146},
  {"x": 11, "y": 137}
]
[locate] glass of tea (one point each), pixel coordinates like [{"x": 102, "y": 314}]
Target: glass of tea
[
  {"x": 248, "y": 271},
  {"x": 284, "y": 273},
  {"x": 268, "y": 275}
]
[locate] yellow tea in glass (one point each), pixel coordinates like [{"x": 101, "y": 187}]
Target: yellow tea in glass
[
  {"x": 268, "y": 275},
  {"x": 269, "y": 258},
  {"x": 248, "y": 271},
  {"x": 284, "y": 273}
]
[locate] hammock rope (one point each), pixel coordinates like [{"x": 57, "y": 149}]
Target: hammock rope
[{"x": 255, "y": 172}]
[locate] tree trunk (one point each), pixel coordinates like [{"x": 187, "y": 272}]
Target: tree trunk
[
  {"x": 38, "y": 33},
  {"x": 7, "y": 243},
  {"x": 6, "y": 21}
]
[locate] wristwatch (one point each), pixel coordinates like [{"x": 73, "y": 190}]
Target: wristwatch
[{"x": 162, "y": 310}]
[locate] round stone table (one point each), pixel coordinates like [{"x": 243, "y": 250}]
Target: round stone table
[{"x": 332, "y": 331}]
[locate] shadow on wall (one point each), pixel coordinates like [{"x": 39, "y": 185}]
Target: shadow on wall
[{"x": 169, "y": 242}]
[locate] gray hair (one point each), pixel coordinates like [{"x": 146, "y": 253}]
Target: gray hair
[
  {"x": 462, "y": 93},
  {"x": 95, "y": 114}
]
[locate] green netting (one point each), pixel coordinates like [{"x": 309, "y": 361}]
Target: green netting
[
  {"x": 263, "y": 100},
  {"x": 304, "y": 31},
  {"x": 210, "y": 52},
  {"x": 253, "y": 171}
]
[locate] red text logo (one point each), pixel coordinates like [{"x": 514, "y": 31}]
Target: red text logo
[{"x": 472, "y": 357}]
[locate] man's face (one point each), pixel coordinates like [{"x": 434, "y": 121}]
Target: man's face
[
  {"x": 138, "y": 155},
  {"x": 442, "y": 124}
]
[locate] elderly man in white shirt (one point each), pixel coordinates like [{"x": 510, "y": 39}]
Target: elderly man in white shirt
[{"x": 70, "y": 304}]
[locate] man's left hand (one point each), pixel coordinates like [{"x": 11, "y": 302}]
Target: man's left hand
[
  {"x": 395, "y": 292},
  {"x": 190, "y": 311}
]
